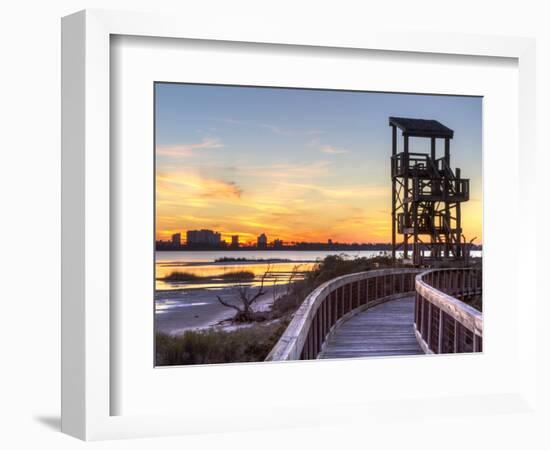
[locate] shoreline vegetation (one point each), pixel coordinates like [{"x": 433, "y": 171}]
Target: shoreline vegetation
[
  {"x": 246, "y": 344},
  {"x": 233, "y": 261},
  {"x": 252, "y": 341},
  {"x": 233, "y": 277},
  {"x": 226, "y": 259}
]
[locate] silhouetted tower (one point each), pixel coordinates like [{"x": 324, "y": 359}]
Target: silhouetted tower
[{"x": 426, "y": 195}]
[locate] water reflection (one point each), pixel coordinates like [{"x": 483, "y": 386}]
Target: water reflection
[{"x": 279, "y": 273}]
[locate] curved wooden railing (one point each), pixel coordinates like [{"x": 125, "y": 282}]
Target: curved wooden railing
[
  {"x": 335, "y": 301},
  {"x": 444, "y": 323}
]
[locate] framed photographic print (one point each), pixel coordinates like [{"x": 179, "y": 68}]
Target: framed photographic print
[
  {"x": 263, "y": 195},
  {"x": 256, "y": 223}
]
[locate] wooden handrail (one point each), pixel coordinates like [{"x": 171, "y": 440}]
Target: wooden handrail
[
  {"x": 333, "y": 301},
  {"x": 444, "y": 323}
]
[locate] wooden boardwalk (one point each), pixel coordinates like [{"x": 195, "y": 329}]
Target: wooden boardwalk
[{"x": 382, "y": 330}]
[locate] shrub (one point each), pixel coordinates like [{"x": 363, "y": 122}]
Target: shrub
[
  {"x": 236, "y": 276},
  {"x": 331, "y": 267},
  {"x": 181, "y": 276},
  {"x": 240, "y": 275},
  {"x": 217, "y": 346}
]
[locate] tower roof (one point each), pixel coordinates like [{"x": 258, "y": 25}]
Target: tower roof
[{"x": 421, "y": 127}]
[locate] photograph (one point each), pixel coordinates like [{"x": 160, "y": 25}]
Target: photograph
[{"x": 302, "y": 224}]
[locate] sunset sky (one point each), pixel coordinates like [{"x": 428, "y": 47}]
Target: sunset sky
[{"x": 297, "y": 165}]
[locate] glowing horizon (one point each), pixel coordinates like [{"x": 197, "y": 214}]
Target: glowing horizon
[{"x": 297, "y": 165}]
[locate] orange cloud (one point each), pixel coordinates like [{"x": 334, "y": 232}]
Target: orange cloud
[
  {"x": 304, "y": 202},
  {"x": 184, "y": 183}
]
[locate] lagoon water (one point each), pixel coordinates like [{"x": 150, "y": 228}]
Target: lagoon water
[
  {"x": 210, "y": 256},
  {"x": 203, "y": 263},
  {"x": 283, "y": 262}
]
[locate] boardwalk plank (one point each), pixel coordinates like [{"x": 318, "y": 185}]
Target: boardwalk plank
[{"x": 383, "y": 330}]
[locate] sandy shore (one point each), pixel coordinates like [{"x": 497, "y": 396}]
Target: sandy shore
[{"x": 182, "y": 310}]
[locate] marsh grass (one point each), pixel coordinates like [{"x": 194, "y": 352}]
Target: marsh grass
[
  {"x": 235, "y": 276},
  {"x": 217, "y": 346},
  {"x": 239, "y": 275},
  {"x": 181, "y": 276}
]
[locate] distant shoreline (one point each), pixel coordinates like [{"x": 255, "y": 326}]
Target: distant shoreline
[
  {"x": 290, "y": 249},
  {"x": 271, "y": 249},
  {"x": 233, "y": 263}
]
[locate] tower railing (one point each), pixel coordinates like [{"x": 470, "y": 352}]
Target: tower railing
[
  {"x": 405, "y": 163},
  {"x": 432, "y": 252},
  {"x": 335, "y": 301},
  {"x": 444, "y": 323}
]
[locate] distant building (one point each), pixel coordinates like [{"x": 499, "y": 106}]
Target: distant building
[
  {"x": 262, "y": 241},
  {"x": 235, "y": 241},
  {"x": 330, "y": 242},
  {"x": 203, "y": 238},
  {"x": 278, "y": 243},
  {"x": 176, "y": 240}
]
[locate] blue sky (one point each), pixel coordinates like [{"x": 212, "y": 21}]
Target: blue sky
[{"x": 247, "y": 160}]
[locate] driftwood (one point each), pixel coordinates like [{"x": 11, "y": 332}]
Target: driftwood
[{"x": 245, "y": 313}]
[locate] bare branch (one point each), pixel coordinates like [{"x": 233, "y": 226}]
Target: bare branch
[
  {"x": 245, "y": 312},
  {"x": 261, "y": 288},
  {"x": 291, "y": 277},
  {"x": 229, "y": 305}
]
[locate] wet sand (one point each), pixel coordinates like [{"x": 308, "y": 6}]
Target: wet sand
[{"x": 181, "y": 310}]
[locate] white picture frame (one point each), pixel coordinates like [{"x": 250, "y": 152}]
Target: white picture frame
[{"x": 86, "y": 248}]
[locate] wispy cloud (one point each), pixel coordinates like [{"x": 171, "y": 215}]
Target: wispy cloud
[
  {"x": 275, "y": 129},
  {"x": 316, "y": 143},
  {"x": 343, "y": 191},
  {"x": 330, "y": 150},
  {"x": 186, "y": 150},
  {"x": 290, "y": 132},
  {"x": 286, "y": 170}
]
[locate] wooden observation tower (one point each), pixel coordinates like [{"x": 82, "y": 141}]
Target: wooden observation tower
[{"x": 426, "y": 195}]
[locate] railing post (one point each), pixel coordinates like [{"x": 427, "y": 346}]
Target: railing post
[
  {"x": 330, "y": 306},
  {"x": 455, "y": 343},
  {"x": 321, "y": 326},
  {"x": 338, "y": 304},
  {"x": 476, "y": 343},
  {"x": 420, "y": 314},
  {"x": 308, "y": 345},
  {"x": 441, "y": 330},
  {"x": 314, "y": 336},
  {"x": 327, "y": 316},
  {"x": 429, "y": 325},
  {"x": 454, "y": 278},
  {"x": 323, "y": 321},
  {"x": 345, "y": 290},
  {"x": 416, "y": 309}
]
